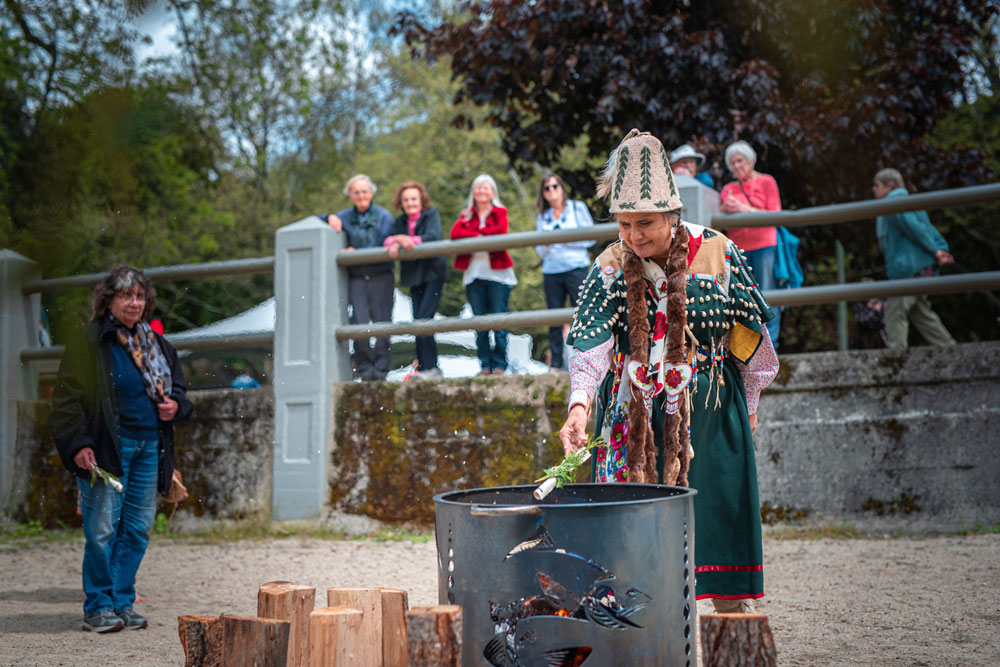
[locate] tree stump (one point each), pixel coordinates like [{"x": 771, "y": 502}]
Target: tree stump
[
  {"x": 435, "y": 636},
  {"x": 201, "y": 638},
  {"x": 369, "y": 602},
  {"x": 290, "y": 602},
  {"x": 248, "y": 641},
  {"x": 737, "y": 640},
  {"x": 334, "y": 637},
  {"x": 395, "y": 651}
]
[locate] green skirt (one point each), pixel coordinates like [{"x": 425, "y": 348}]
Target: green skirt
[{"x": 728, "y": 551}]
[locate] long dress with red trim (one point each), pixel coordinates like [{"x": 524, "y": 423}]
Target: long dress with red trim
[{"x": 733, "y": 359}]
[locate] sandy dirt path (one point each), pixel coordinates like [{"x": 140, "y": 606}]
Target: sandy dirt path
[{"x": 933, "y": 601}]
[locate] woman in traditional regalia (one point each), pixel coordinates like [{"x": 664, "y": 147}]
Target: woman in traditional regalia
[{"x": 669, "y": 348}]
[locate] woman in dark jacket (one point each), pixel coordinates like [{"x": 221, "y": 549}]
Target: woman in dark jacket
[
  {"x": 120, "y": 388},
  {"x": 419, "y": 223}
]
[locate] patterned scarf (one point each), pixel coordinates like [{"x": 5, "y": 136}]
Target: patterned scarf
[
  {"x": 145, "y": 353},
  {"x": 656, "y": 362}
]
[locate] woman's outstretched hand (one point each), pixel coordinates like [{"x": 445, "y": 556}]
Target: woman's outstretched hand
[{"x": 573, "y": 434}]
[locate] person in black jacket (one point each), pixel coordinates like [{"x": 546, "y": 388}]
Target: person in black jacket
[
  {"x": 419, "y": 223},
  {"x": 120, "y": 389}
]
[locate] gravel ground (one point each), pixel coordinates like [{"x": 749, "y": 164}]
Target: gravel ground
[{"x": 904, "y": 601}]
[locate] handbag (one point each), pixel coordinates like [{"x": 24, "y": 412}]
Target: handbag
[{"x": 178, "y": 491}]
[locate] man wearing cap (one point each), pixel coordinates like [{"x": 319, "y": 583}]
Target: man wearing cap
[
  {"x": 687, "y": 161},
  {"x": 913, "y": 248},
  {"x": 669, "y": 348}
]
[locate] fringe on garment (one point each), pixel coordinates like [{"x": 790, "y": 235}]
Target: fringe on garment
[
  {"x": 674, "y": 452},
  {"x": 640, "y": 431}
]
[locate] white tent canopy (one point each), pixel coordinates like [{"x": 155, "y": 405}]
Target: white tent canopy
[{"x": 261, "y": 319}]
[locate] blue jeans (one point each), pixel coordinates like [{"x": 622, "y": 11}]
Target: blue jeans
[
  {"x": 116, "y": 527},
  {"x": 486, "y": 297},
  {"x": 762, "y": 263},
  {"x": 558, "y": 287}
]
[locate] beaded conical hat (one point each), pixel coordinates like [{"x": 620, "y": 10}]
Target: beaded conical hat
[{"x": 638, "y": 176}]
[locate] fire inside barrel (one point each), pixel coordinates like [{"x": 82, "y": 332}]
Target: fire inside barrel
[{"x": 598, "y": 604}]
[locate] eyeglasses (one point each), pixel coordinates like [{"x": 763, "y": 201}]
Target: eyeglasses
[
  {"x": 554, "y": 186},
  {"x": 128, "y": 296}
]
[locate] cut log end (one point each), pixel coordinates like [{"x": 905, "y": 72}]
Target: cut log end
[{"x": 737, "y": 639}]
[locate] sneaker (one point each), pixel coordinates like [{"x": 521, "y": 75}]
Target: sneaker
[
  {"x": 103, "y": 621},
  {"x": 133, "y": 620},
  {"x": 430, "y": 374}
]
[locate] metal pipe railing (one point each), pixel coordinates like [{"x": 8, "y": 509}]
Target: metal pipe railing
[
  {"x": 179, "y": 341},
  {"x": 483, "y": 244},
  {"x": 861, "y": 210},
  {"x": 539, "y": 318},
  {"x": 966, "y": 282},
  {"x": 175, "y": 272}
]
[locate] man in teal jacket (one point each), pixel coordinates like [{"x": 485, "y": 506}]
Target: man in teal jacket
[{"x": 912, "y": 249}]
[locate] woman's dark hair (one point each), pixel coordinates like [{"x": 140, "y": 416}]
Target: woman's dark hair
[
  {"x": 542, "y": 204},
  {"x": 122, "y": 278},
  {"x": 425, "y": 199}
]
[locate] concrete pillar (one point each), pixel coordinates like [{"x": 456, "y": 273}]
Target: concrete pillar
[
  {"x": 19, "y": 322},
  {"x": 700, "y": 201},
  {"x": 311, "y": 295}
]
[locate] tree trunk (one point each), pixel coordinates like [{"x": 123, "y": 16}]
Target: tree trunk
[
  {"x": 248, "y": 641},
  {"x": 334, "y": 637},
  {"x": 737, "y": 640},
  {"x": 285, "y": 601},
  {"x": 201, "y": 638},
  {"x": 435, "y": 636}
]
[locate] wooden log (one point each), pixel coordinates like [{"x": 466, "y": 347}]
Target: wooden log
[
  {"x": 290, "y": 602},
  {"x": 737, "y": 640},
  {"x": 368, "y": 643},
  {"x": 435, "y": 636},
  {"x": 248, "y": 641},
  {"x": 201, "y": 638},
  {"x": 333, "y": 636},
  {"x": 395, "y": 651}
]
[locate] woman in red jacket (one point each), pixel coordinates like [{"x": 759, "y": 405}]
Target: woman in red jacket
[{"x": 489, "y": 276}]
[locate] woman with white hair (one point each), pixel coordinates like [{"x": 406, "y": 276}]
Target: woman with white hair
[
  {"x": 753, "y": 191},
  {"x": 489, "y": 276}
]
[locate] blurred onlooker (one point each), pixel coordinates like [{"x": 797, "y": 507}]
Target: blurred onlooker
[
  {"x": 564, "y": 265},
  {"x": 753, "y": 191},
  {"x": 244, "y": 381},
  {"x": 489, "y": 276},
  {"x": 418, "y": 223},
  {"x": 913, "y": 248},
  {"x": 686, "y": 160},
  {"x": 869, "y": 323},
  {"x": 369, "y": 285}
]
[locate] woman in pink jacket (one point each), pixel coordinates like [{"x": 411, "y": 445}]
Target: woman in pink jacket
[{"x": 753, "y": 191}]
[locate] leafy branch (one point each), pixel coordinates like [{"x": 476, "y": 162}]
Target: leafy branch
[{"x": 565, "y": 472}]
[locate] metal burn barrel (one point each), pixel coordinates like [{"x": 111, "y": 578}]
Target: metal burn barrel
[{"x": 594, "y": 574}]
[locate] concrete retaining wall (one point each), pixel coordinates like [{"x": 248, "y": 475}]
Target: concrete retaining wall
[
  {"x": 224, "y": 454},
  {"x": 882, "y": 440},
  {"x": 900, "y": 441}
]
